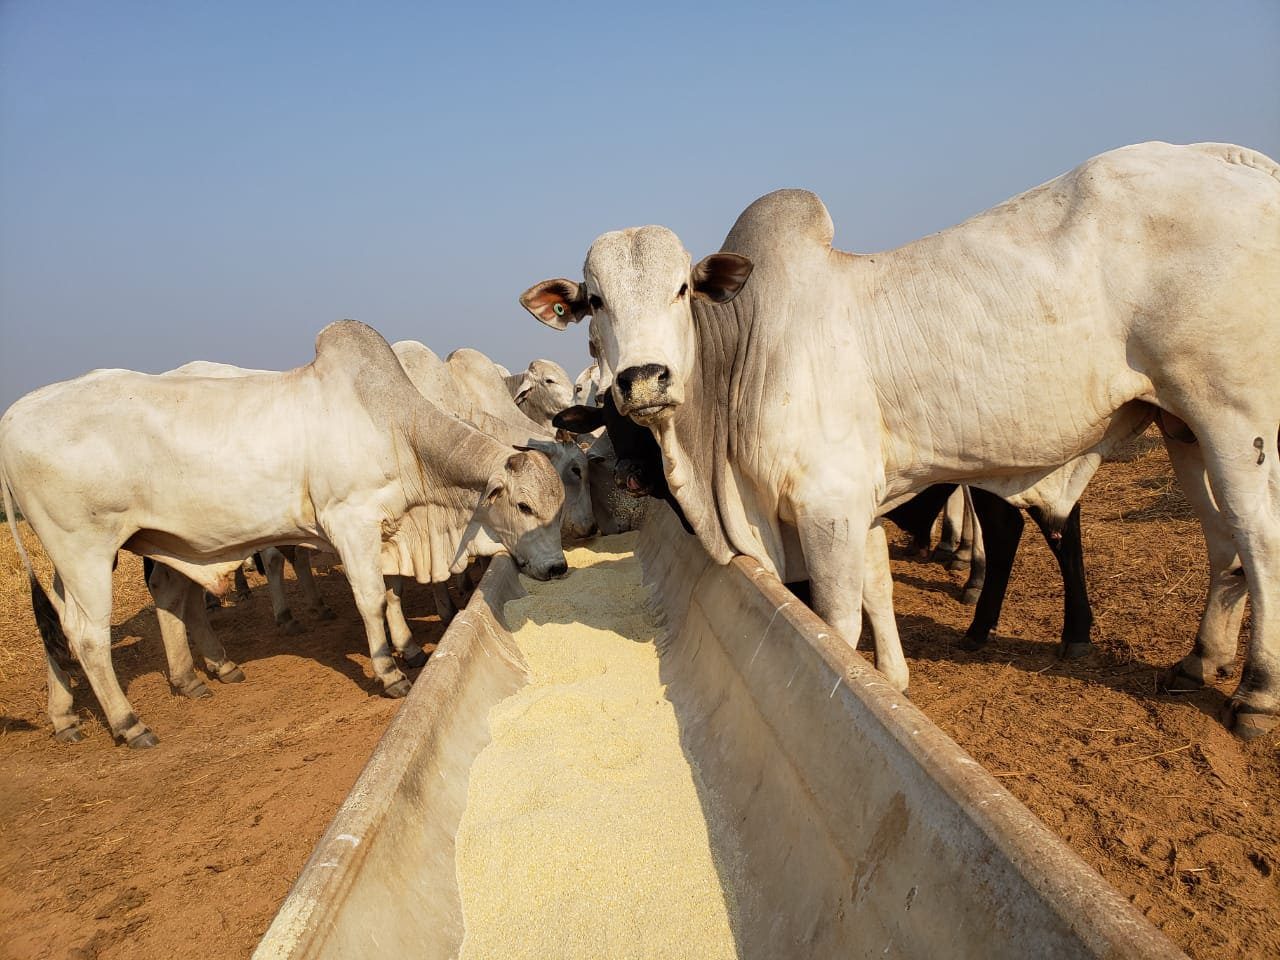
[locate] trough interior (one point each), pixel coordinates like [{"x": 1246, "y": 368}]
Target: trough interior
[{"x": 845, "y": 824}]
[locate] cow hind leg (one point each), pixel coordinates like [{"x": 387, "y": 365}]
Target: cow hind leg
[
  {"x": 1243, "y": 466},
  {"x": 169, "y": 590},
  {"x": 301, "y": 561},
  {"x": 973, "y": 545},
  {"x": 273, "y": 563},
  {"x": 66, "y": 722},
  {"x": 1213, "y": 655},
  {"x": 216, "y": 662},
  {"x": 87, "y": 621}
]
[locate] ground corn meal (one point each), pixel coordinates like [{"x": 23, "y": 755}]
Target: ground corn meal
[{"x": 583, "y": 834}]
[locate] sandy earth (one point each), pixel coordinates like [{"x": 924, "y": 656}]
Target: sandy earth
[{"x": 187, "y": 850}]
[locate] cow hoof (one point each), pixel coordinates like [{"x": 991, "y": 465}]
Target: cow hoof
[
  {"x": 291, "y": 627},
  {"x": 324, "y": 613},
  {"x": 69, "y": 735},
  {"x": 197, "y": 691},
  {"x": 972, "y": 644},
  {"x": 418, "y": 660},
  {"x": 234, "y": 675},
  {"x": 1177, "y": 680},
  {"x": 144, "y": 741},
  {"x": 397, "y": 690},
  {"x": 955, "y": 563},
  {"x": 1245, "y": 723},
  {"x": 970, "y": 596},
  {"x": 1074, "y": 650}
]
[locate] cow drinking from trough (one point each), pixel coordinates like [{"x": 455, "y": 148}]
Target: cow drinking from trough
[
  {"x": 1011, "y": 352},
  {"x": 198, "y": 472}
]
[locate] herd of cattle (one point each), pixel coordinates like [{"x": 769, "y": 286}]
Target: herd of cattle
[{"x": 785, "y": 398}]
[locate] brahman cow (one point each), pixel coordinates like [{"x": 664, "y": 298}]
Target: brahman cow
[
  {"x": 541, "y": 391},
  {"x": 1010, "y": 352},
  {"x": 199, "y": 472}
]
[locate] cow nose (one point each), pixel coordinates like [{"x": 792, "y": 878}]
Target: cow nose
[
  {"x": 650, "y": 371},
  {"x": 558, "y": 569}
]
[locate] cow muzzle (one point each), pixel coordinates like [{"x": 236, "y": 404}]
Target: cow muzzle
[{"x": 644, "y": 392}]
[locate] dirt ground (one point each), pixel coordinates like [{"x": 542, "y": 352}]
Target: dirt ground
[{"x": 187, "y": 850}]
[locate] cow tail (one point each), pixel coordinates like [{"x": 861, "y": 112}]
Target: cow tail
[{"x": 47, "y": 619}]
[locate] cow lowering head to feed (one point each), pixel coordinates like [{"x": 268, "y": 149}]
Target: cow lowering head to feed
[
  {"x": 198, "y": 472},
  {"x": 796, "y": 401}
]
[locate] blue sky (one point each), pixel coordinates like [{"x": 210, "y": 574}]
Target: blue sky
[{"x": 219, "y": 181}]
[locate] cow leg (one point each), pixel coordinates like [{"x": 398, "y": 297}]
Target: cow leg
[
  {"x": 398, "y": 626},
  {"x": 877, "y": 607},
  {"x": 952, "y": 528},
  {"x": 835, "y": 553},
  {"x": 1002, "y": 526},
  {"x": 976, "y": 549},
  {"x": 306, "y": 580},
  {"x": 87, "y": 623},
  {"x": 273, "y": 562},
  {"x": 1244, "y": 476},
  {"x": 240, "y": 590},
  {"x": 361, "y": 558},
  {"x": 446, "y": 610},
  {"x": 66, "y": 724},
  {"x": 216, "y": 663},
  {"x": 169, "y": 590},
  {"x": 1068, "y": 550},
  {"x": 1213, "y": 654}
]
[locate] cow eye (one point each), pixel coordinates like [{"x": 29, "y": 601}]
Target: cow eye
[
  {"x": 548, "y": 380},
  {"x": 684, "y": 288},
  {"x": 595, "y": 302},
  {"x": 576, "y": 470},
  {"x": 525, "y": 509}
]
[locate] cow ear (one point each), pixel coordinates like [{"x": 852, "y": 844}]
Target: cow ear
[
  {"x": 720, "y": 276},
  {"x": 494, "y": 490},
  {"x": 557, "y": 303},
  {"x": 579, "y": 419},
  {"x": 564, "y": 436}
]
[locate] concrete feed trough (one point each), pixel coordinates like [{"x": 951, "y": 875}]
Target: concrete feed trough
[{"x": 857, "y": 828}]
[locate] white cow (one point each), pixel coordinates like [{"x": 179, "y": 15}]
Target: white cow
[
  {"x": 1011, "y": 351},
  {"x": 198, "y": 472},
  {"x": 587, "y": 386},
  {"x": 541, "y": 391}
]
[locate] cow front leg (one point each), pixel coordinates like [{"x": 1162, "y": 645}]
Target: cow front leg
[
  {"x": 835, "y": 554},
  {"x": 361, "y": 559},
  {"x": 401, "y": 635},
  {"x": 1002, "y": 526},
  {"x": 1068, "y": 550},
  {"x": 877, "y": 607}
]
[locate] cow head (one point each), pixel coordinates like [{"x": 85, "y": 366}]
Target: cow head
[
  {"x": 545, "y": 391},
  {"x": 521, "y": 509},
  {"x": 570, "y": 463},
  {"x": 638, "y": 287}
]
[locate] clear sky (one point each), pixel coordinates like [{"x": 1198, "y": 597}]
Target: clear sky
[{"x": 220, "y": 180}]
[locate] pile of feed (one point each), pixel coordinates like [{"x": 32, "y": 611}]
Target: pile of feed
[{"x": 584, "y": 834}]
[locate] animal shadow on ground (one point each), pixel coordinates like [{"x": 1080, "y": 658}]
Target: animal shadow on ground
[
  {"x": 248, "y": 632},
  {"x": 923, "y": 638}
]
